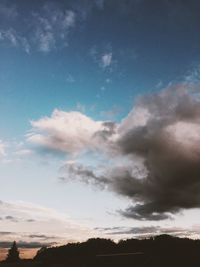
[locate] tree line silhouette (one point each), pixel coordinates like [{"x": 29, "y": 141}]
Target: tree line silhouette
[{"x": 162, "y": 251}]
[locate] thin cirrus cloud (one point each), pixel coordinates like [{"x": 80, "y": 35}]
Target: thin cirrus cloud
[
  {"x": 51, "y": 27},
  {"x": 33, "y": 240},
  {"x": 46, "y": 224},
  {"x": 47, "y": 29},
  {"x": 8, "y": 12},
  {"x": 14, "y": 39},
  {"x": 158, "y": 142},
  {"x": 2, "y": 149}
]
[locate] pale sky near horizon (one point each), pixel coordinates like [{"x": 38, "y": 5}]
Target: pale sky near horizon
[{"x": 99, "y": 120}]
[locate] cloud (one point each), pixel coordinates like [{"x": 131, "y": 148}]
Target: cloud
[
  {"x": 167, "y": 139},
  {"x": 111, "y": 113},
  {"x": 2, "y": 149},
  {"x": 100, "y": 4},
  {"x": 84, "y": 174},
  {"x": 11, "y": 218},
  {"x": 30, "y": 220},
  {"x": 70, "y": 78},
  {"x": 80, "y": 107},
  {"x": 35, "y": 240},
  {"x": 103, "y": 56},
  {"x": 149, "y": 231},
  {"x": 46, "y": 28},
  {"x": 45, "y": 40},
  {"x": 66, "y": 132},
  {"x": 8, "y": 11},
  {"x": 23, "y": 152},
  {"x": 12, "y": 37},
  {"x": 44, "y": 237},
  {"x": 14, "y": 152},
  {"x": 51, "y": 27},
  {"x": 21, "y": 244},
  {"x": 5, "y": 233},
  {"x": 46, "y": 224},
  {"x": 106, "y": 60},
  {"x": 153, "y": 155},
  {"x": 193, "y": 75}
]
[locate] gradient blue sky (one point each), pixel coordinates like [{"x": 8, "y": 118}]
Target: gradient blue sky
[{"x": 91, "y": 56}]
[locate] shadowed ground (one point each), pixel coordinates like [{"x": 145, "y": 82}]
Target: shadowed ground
[{"x": 161, "y": 251}]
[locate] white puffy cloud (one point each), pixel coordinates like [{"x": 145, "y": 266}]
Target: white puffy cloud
[{"x": 67, "y": 132}]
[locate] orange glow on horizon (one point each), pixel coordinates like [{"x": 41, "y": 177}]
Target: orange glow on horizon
[{"x": 25, "y": 253}]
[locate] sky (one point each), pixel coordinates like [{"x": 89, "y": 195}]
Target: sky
[{"x": 99, "y": 120}]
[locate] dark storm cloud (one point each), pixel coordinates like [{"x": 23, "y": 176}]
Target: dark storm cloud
[
  {"x": 83, "y": 174},
  {"x": 163, "y": 130},
  {"x": 109, "y": 128},
  {"x": 169, "y": 143}
]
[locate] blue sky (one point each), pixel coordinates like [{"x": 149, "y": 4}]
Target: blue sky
[
  {"x": 66, "y": 69},
  {"x": 148, "y": 45}
]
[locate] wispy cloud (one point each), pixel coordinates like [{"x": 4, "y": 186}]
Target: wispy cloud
[
  {"x": 23, "y": 152},
  {"x": 70, "y": 78},
  {"x": 106, "y": 60},
  {"x": 47, "y": 28},
  {"x": 46, "y": 224},
  {"x": 2, "y": 149},
  {"x": 100, "y": 4},
  {"x": 80, "y": 107},
  {"x": 103, "y": 56},
  {"x": 12, "y": 37},
  {"x": 12, "y": 151},
  {"x": 193, "y": 75},
  {"x": 111, "y": 113},
  {"x": 8, "y": 11},
  {"x": 51, "y": 27}
]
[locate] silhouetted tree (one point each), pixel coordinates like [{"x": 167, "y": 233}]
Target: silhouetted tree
[
  {"x": 13, "y": 253},
  {"x": 41, "y": 250},
  {"x": 163, "y": 250}
]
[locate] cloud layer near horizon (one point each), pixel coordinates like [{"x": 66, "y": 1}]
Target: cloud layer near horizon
[
  {"x": 154, "y": 151},
  {"x": 33, "y": 226}
]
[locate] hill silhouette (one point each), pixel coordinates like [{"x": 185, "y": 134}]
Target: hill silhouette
[{"x": 162, "y": 251}]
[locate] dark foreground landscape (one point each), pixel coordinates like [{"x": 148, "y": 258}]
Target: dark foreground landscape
[{"x": 163, "y": 250}]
